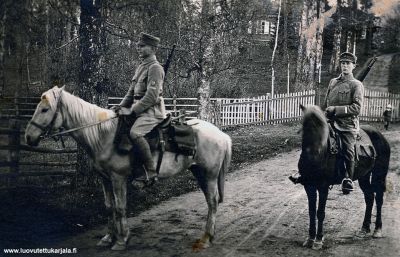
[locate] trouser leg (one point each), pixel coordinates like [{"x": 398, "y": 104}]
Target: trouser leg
[
  {"x": 143, "y": 149},
  {"x": 349, "y": 169},
  {"x": 349, "y": 141},
  {"x": 142, "y": 126}
]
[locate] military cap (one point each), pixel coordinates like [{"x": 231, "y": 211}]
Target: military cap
[
  {"x": 147, "y": 39},
  {"x": 348, "y": 57}
]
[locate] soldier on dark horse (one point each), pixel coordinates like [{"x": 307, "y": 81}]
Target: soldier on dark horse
[
  {"x": 343, "y": 103},
  {"x": 337, "y": 150}
]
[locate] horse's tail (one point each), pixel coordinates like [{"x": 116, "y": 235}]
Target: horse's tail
[
  {"x": 381, "y": 167},
  {"x": 224, "y": 169}
]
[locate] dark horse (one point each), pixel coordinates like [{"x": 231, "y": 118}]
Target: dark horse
[{"x": 318, "y": 165}]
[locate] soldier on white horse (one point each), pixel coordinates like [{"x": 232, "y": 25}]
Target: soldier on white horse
[{"x": 144, "y": 102}]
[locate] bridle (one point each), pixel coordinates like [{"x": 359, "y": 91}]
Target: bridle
[{"x": 47, "y": 129}]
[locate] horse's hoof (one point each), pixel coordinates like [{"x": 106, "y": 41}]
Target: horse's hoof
[
  {"x": 199, "y": 245},
  {"x": 377, "y": 233},
  {"x": 317, "y": 245},
  {"x": 309, "y": 242},
  {"x": 363, "y": 233},
  {"x": 118, "y": 246},
  {"x": 202, "y": 243},
  {"x": 106, "y": 241}
]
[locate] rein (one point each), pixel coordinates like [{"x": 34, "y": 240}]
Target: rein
[
  {"x": 86, "y": 126},
  {"x": 75, "y": 129}
]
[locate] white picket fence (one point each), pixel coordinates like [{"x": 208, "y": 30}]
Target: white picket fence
[
  {"x": 375, "y": 103},
  {"x": 262, "y": 110}
]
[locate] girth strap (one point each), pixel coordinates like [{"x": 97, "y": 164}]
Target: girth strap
[{"x": 162, "y": 150}]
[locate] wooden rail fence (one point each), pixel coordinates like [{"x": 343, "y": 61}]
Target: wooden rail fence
[{"x": 21, "y": 159}]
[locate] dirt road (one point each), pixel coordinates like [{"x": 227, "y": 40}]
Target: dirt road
[{"x": 263, "y": 215}]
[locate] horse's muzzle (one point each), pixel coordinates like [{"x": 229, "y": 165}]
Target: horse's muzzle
[{"x": 31, "y": 142}]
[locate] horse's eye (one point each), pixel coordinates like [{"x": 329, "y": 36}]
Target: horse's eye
[{"x": 45, "y": 109}]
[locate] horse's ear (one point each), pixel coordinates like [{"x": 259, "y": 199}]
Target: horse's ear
[{"x": 302, "y": 107}]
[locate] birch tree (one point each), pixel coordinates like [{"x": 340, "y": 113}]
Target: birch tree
[
  {"x": 334, "y": 62},
  {"x": 311, "y": 42},
  {"x": 273, "y": 52}
]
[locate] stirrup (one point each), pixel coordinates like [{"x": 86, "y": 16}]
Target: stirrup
[
  {"x": 351, "y": 182},
  {"x": 144, "y": 181},
  {"x": 295, "y": 178}
]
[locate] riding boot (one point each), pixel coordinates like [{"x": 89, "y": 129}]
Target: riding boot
[
  {"x": 143, "y": 148},
  {"x": 347, "y": 183}
]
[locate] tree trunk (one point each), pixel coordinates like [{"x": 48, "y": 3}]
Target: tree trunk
[
  {"x": 45, "y": 70},
  {"x": 334, "y": 63},
  {"x": 285, "y": 46},
  {"x": 273, "y": 52},
  {"x": 368, "y": 37},
  {"x": 204, "y": 79},
  {"x": 3, "y": 15},
  {"x": 92, "y": 80},
  {"x": 310, "y": 48},
  {"x": 204, "y": 97},
  {"x": 349, "y": 41}
]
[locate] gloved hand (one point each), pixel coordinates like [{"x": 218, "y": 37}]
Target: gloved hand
[
  {"x": 125, "y": 111},
  {"x": 330, "y": 112},
  {"x": 115, "y": 108}
]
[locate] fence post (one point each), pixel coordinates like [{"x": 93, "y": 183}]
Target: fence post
[
  {"x": 14, "y": 141},
  {"x": 182, "y": 115},
  {"x": 218, "y": 111},
  {"x": 174, "y": 103}
]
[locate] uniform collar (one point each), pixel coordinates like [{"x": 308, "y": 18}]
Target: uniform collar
[
  {"x": 149, "y": 59},
  {"x": 346, "y": 77}
]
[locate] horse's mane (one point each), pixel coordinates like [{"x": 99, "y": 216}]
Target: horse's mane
[
  {"x": 315, "y": 126},
  {"x": 81, "y": 113}
]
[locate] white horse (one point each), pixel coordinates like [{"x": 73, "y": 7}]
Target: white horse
[{"x": 59, "y": 108}]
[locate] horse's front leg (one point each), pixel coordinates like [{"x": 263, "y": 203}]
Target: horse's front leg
[
  {"x": 312, "y": 210},
  {"x": 211, "y": 194},
  {"x": 109, "y": 238},
  {"x": 122, "y": 233},
  {"x": 323, "y": 196}
]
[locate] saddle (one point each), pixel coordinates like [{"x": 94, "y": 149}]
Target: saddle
[
  {"x": 173, "y": 136},
  {"x": 169, "y": 135},
  {"x": 363, "y": 146}
]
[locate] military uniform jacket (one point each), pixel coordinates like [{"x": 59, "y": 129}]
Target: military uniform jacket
[
  {"x": 346, "y": 94},
  {"x": 144, "y": 96}
]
